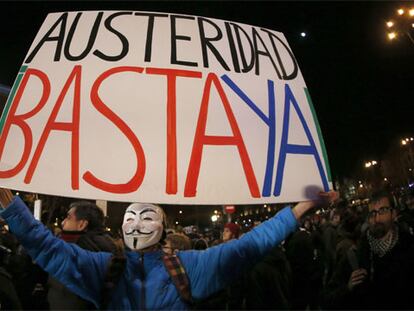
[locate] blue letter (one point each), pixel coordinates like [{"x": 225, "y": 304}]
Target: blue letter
[
  {"x": 270, "y": 122},
  {"x": 286, "y": 148}
]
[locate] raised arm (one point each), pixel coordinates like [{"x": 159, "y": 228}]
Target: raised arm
[
  {"x": 214, "y": 268},
  {"x": 79, "y": 270}
]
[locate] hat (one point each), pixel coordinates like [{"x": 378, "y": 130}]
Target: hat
[{"x": 234, "y": 228}]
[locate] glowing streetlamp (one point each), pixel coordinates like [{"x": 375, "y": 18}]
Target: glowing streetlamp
[
  {"x": 370, "y": 163},
  {"x": 402, "y": 24},
  {"x": 392, "y": 35}
]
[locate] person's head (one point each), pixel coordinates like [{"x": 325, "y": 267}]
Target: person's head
[
  {"x": 409, "y": 199},
  {"x": 335, "y": 218},
  {"x": 200, "y": 244},
  {"x": 231, "y": 231},
  {"x": 381, "y": 214},
  {"x": 83, "y": 216},
  {"x": 143, "y": 225},
  {"x": 176, "y": 242}
]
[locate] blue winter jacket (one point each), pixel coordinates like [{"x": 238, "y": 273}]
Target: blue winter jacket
[{"x": 145, "y": 283}]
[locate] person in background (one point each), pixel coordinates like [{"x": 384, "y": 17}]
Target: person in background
[
  {"x": 84, "y": 226},
  {"x": 379, "y": 274},
  {"x": 231, "y": 231},
  {"x": 176, "y": 242}
]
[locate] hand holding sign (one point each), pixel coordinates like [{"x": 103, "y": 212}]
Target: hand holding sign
[{"x": 324, "y": 199}]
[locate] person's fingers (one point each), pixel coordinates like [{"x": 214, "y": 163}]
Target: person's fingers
[
  {"x": 357, "y": 282},
  {"x": 358, "y": 278},
  {"x": 359, "y": 273}
]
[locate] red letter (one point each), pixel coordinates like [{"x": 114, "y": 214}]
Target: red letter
[
  {"x": 72, "y": 127},
  {"x": 201, "y": 139},
  {"x": 19, "y": 120},
  {"x": 138, "y": 177},
  {"x": 172, "y": 74}
]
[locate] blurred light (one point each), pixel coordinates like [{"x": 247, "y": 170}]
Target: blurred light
[
  {"x": 400, "y": 11},
  {"x": 265, "y": 205},
  {"x": 411, "y": 138},
  {"x": 250, "y": 220},
  {"x": 412, "y": 25},
  {"x": 303, "y": 34},
  {"x": 403, "y": 142},
  {"x": 353, "y": 202},
  {"x": 215, "y": 211},
  {"x": 176, "y": 222},
  {"x": 360, "y": 182},
  {"x": 411, "y": 12},
  {"x": 180, "y": 212},
  {"x": 374, "y": 162},
  {"x": 361, "y": 186},
  {"x": 214, "y": 218},
  {"x": 385, "y": 179},
  {"x": 390, "y": 24},
  {"x": 368, "y": 164},
  {"x": 392, "y": 35},
  {"x": 17, "y": 193}
]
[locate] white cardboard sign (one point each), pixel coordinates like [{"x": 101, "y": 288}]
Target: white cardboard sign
[{"x": 164, "y": 108}]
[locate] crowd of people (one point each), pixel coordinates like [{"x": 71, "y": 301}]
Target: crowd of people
[{"x": 347, "y": 257}]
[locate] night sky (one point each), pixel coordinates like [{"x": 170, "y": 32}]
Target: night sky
[{"x": 360, "y": 83}]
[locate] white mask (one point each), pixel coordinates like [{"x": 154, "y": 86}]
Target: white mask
[{"x": 143, "y": 225}]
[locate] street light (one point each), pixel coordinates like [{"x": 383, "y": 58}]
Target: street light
[
  {"x": 406, "y": 141},
  {"x": 403, "y": 23},
  {"x": 370, "y": 163}
]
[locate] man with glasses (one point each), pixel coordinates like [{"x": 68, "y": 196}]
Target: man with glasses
[{"x": 379, "y": 273}]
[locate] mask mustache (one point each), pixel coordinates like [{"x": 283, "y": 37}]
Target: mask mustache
[{"x": 136, "y": 231}]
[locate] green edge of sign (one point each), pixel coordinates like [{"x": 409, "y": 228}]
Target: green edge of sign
[
  {"x": 11, "y": 97},
  {"x": 315, "y": 119}
]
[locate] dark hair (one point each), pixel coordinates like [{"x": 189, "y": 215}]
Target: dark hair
[
  {"x": 179, "y": 241},
  {"x": 382, "y": 194},
  {"x": 200, "y": 244},
  {"x": 85, "y": 210}
]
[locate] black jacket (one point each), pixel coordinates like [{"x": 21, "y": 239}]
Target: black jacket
[{"x": 388, "y": 284}]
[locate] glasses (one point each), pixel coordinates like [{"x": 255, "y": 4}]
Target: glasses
[{"x": 381, "y": 211}]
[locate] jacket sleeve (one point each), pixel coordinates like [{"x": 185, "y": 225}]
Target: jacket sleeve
[
  {"x": 212, "y": 269},
  {"x": 79, "y": 270}
]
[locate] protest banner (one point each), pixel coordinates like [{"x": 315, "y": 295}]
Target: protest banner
[{"x": 163, "y": 108}]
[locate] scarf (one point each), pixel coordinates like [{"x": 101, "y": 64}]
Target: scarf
[
  {"x": 381, "y": 247},
  {"x": 71, "y": 236}
]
